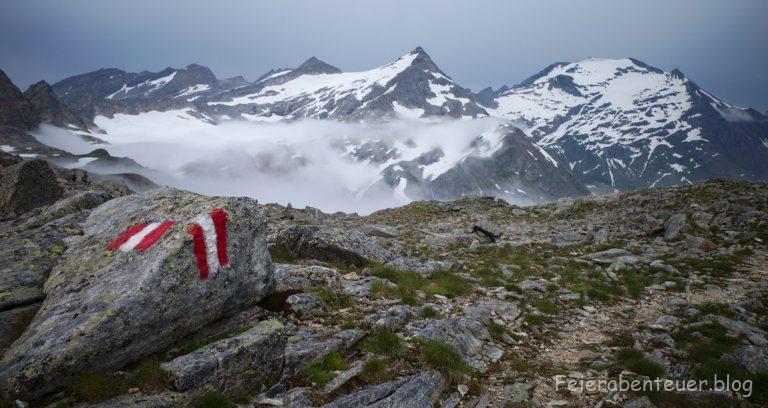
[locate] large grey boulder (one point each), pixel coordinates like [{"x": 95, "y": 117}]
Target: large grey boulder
[
  {"x": 27, "y": 185},
  {"x": 105, "y": 309},
  {"x": 416, "y": 391},
  {"x": 230, "y": 365},
  {"x": 327, "y": 244}
]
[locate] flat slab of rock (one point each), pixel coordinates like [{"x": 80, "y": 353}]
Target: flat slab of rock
[
  {"x": 469, "y": 336},
  {"x": 297, "y": 277},
  {"x": 237, "y": 363},
  {"x": 416, "y": 391},
  {"x": 105, "y": 309}
]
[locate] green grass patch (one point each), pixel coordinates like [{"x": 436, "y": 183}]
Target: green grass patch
[
  {"x": 448, "y": 284},
  {"x": 374, "y": 370},
  {"x": 496, "y": 330},
  {"x": 384, "y": 343},
  {"x": 95, "y": 387},
  {"x": 536, "y": 319},
  {"x": 634, "y": 360},
  {"x": 322, "y": 372},
  {"x": 333, "y": 299},
  {"x": 546, "y": 306},
  {"x": 427, "y": 313},
  {"x": 444, "y": 358}
]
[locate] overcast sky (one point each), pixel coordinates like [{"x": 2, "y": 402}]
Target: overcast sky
[{"x": 721, "y": 45}]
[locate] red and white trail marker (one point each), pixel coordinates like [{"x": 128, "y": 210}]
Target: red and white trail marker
[
  {"x": 209, "y": 235},
  {"x": 140, "y": 236}
]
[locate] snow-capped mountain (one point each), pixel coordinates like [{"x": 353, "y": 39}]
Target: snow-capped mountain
[
  {"x": 620, "y": 123},
  {"x": 410, "y": 87}
]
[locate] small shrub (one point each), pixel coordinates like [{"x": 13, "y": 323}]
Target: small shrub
[
  {"x": 444, "y": 358},
  {"x": 383, "y": 343}
]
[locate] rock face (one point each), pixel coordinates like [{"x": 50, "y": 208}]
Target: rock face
[
  {"x": 49, "y": 109},
  {"x": 27, "y": 185},
  {"x": 416, "y": 391},
  {"x": 233, "y": 364},
  {"x": 327, "y": 244},
  {"x": 15, "y": 110},
  {"x": 105, "y": 309}
]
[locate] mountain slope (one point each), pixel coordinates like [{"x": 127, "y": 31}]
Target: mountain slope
[
  {"x": 412, "y": 86},
  {"x": 501, "y": 162},
  {"x": 622, "y": 124}
]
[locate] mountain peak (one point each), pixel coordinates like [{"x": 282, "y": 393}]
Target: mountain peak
[{"x": 315, "y": 66}]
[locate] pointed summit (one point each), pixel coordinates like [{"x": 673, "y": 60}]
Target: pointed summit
[{"x": 316, "y": 66}]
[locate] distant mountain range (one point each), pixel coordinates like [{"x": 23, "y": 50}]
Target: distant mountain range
[{"x": 591, "y": 125}]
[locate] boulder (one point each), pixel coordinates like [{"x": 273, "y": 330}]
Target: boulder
[
  {"x": 674, "y": 226},
  {"x": 327, "y": 244},
  {"x": 297, "y": 277},
  {"x": 416, "y": 391},
  {"x": 27, "y": 185},
  {"x": 231, "y": 365},
  {"x": 105, "y": 309}
]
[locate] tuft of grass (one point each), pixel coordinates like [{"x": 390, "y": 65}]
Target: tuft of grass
[
  {"x": 349, "y": 325},
  {"x": 721, "y": 369},
  {"x": 496, "y": 330},
  {"x": 546, "y": 306},
  {"x": 444, "y": 358},
  {"x": 374, "y": 370},
  {"x": 212, "y": 400},
  {"x": 427, "y": 313},
  {"x": 384, "y": 343},
  {"x": 322, "y": 372},
  {"x": 333, "y": 299}
]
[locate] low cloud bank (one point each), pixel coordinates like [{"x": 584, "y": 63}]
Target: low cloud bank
[{"x": 305, "y": 163}]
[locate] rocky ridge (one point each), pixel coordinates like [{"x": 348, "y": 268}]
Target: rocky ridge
[{"x": 467, "y": 303}]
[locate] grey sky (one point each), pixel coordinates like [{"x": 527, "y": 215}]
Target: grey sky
[{"x": 719, "y": 44}]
